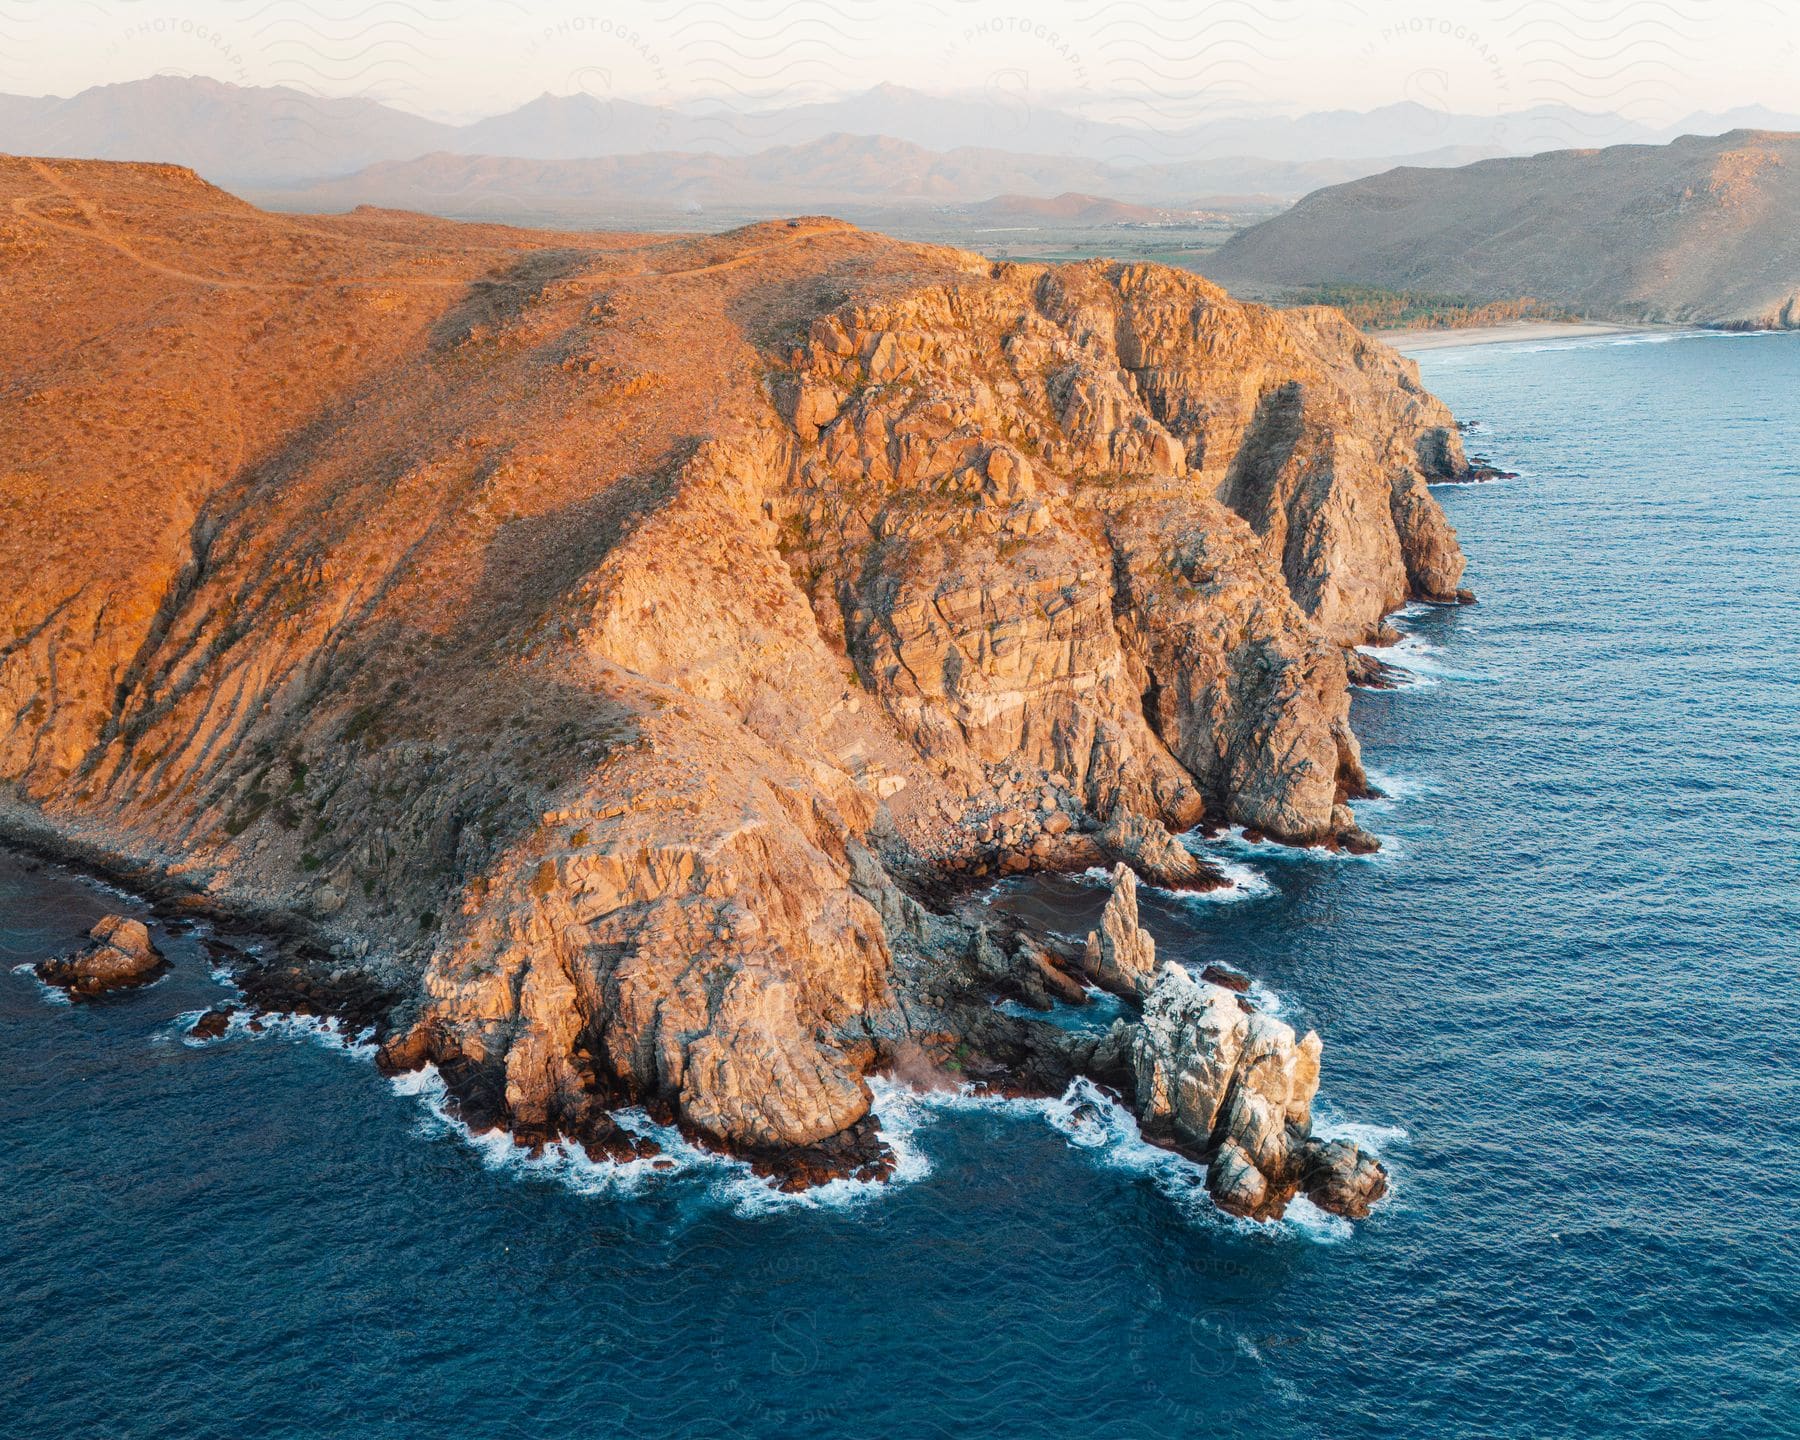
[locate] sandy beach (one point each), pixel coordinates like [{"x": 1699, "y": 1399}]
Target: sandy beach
[{"x": 1411, "y": 341}]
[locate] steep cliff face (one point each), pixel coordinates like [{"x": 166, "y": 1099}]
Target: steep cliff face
[
  {"x": 1014, "y": 501},
  {"x": 583, "y": 632}
]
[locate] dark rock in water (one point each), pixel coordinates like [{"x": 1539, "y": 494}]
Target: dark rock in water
[
  {"x": 606, "y": 1139},
  {"x": 1230, "y": 979},
  {"x": 119, "y": 954},
  {"x": 213, "y": 1024},
  {"x": 1465, "y": 596},
  {"x": 303, "y": 985},
  {"x": 1086, "y": 1112},
  {"x": 1371, "y": 673},
  {"x": 1481, "y": 468},
  {"x": 1358, "y": 841},
  {"x": 1348, "y": 836},
  {"x": 857, "y": 1153},
  {"x": 1339, "y": 1177}
]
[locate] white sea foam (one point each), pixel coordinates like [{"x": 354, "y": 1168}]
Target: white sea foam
[
  {"x": 1328, "y": 1125},
  {"x": 1246, "y": 882},
  {"x": 324, "y": 1030},
  {"x": 1320, "y": 1226},
  {"x": 53, "y": 994},
  {"x": 1097, "y": 1125},
  {"x": 1234, "y": 841},
  {"x": 1412, "y": 663},
  {"x": 899, "y": 1113},
  {"x": 1242, "y": 881},
  {"x": 730, "y": 1181},
  {"x": 1094, "y": 1123},
  {"x": 1395, "y": 789},
  {"x": 560, "y": 1162},
  {"x": 1644, "y": 337}
]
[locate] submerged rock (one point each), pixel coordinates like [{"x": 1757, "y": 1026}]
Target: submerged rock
[
  {"x": 213, "y": 1024},
  {"x": 119, "y": 954}
]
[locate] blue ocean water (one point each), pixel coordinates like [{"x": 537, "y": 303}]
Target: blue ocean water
[{"x": 1563, "y": 1004}]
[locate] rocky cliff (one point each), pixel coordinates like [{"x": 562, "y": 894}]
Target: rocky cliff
[{"x": 605, "y": 641}]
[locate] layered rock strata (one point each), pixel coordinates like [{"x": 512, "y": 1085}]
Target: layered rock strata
[{"x": 602, "y": 642}]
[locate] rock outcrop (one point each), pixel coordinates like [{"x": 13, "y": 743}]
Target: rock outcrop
[
  {"x": 1234, "y": 1087},
  {"x": 599, "y": 641},
  {"x": 1221, "y": 1081},
  {"x": 1120, "y": 955},
  {"x": 119, "y": 954}
]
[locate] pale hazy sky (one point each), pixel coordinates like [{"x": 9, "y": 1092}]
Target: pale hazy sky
[{"x": 1651, "y": 60}]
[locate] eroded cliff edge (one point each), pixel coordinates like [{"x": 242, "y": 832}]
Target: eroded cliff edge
[{"x": 613, "y": 642}]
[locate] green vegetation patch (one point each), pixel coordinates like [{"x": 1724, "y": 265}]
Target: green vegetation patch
[{"x": 1371, "y": 307}]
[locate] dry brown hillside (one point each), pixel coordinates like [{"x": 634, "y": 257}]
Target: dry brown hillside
[
  {"x": 600, "y": 638},
  {"x": 1705, "y": 230}
]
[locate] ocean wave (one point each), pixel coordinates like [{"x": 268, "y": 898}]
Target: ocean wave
[
  {"x": 1328, "y": 1124},
  {"x": 561, "y": 1162},
  {"x": 53, "y": 994},
  {"x": 1235, "y": 842},
  {"x": 1094, "y": 1123},
  {"x": 1243, "y": 882},
  {"x": 1099, "y": 1126},
  {"x": 1422, "y": 664},
  {"x": 1413, "y": 661},
  {"x": 1395, "y": 789},
  {"x": 724, "y": 1179},
  {"x": 1608, "y": 342},
  {"x": 323, "y": 1030}
]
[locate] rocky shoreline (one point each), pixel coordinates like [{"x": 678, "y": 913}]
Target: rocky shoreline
[
  {"x": 283, "y": 968},
  {"x": 616, "y": 652}
]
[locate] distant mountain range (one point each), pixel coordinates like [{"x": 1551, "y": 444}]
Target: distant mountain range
[
  {"x": 835, "y": 172},
  {"x": 587, "y": 156},
  {"x": 1704, "y": 230},
  {"x": 267, "y": 135},
  {"x": 231, "y": 134}
]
